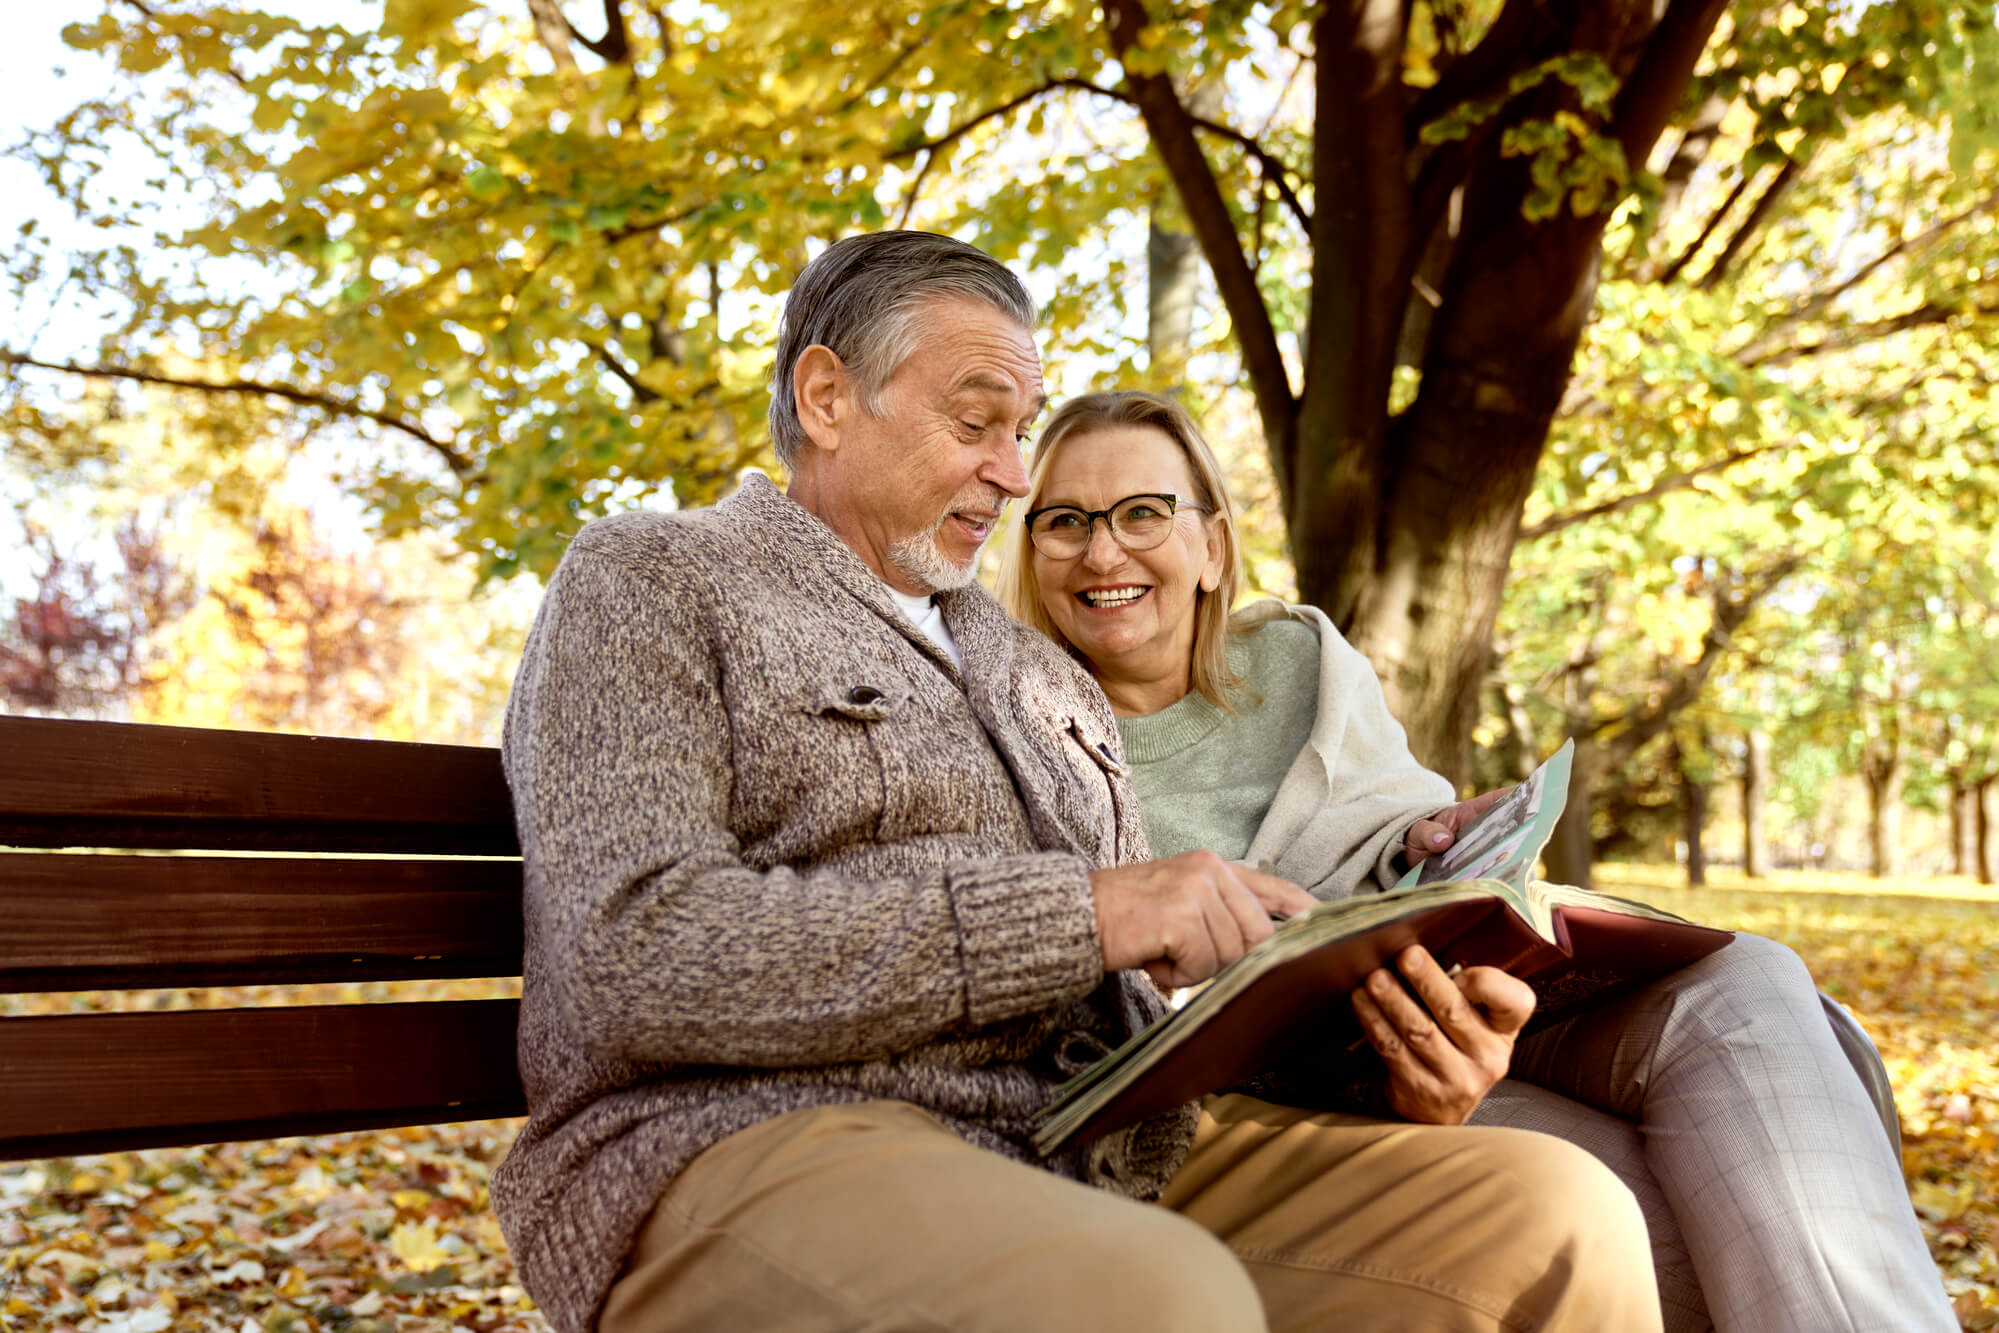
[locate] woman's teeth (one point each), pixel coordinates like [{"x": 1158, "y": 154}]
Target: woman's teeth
[{"x": 1103, "y": 597}]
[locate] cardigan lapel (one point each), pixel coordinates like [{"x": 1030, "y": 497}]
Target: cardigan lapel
[
  {"x": 1028, "y": 726},
  {"x": 1030, "y": 720},
  {"x": 797, "y": 540}
]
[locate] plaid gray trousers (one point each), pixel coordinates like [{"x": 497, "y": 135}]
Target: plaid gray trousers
[{"x": 1721, "y": 1096}]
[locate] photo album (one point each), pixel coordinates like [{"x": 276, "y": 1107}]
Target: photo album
[{"x": 1474, "y": 904}]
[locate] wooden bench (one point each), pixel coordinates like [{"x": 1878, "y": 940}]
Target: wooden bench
[
  {"x": 217, "y": 858},
  {"x": 288, "y": 859}
]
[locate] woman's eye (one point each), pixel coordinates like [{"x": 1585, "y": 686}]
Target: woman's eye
[
  {"x": 1056, "y": 522},
  {"x": 1143, "y": 513}
]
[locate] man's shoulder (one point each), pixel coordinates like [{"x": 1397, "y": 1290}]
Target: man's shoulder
[{"x": 647, "y": 533}]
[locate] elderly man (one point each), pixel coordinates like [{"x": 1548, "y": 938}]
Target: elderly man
[{"x": 832, "y": 875}]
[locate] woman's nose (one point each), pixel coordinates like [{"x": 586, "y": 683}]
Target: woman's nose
[{"x": 1103, "y": 552}]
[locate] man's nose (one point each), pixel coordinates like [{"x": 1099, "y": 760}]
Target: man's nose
[{"x": 1006, "y": 470}]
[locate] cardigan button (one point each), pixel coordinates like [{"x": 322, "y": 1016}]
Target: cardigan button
[{"x": 862, "y": 695}]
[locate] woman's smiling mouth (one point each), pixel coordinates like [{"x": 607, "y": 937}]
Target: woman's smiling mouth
[{"x": 1110, "y": 599}]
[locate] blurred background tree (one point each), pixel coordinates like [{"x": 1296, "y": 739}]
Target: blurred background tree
[{"x": 1678, "y": 312}]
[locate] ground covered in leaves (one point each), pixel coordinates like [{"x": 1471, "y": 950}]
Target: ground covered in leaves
[{"x": 368, "y": 1233}]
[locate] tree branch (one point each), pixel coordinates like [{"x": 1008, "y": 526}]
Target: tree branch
[
  {"x": 1818, "y": 303},
  {"x": 1518, "y": 38},
  {"x": 1012, "y": 104},
  {"x": 1624, "y": 735},
  {"x": 1665, "y": 485},
  {"x": 1652, "y": 92},
  {"x": 1275, "y": 169},
  {"x": 614, "y": 47},
  {"x": 552, "y": 28},
  {"x": 1787, "y": 176},
  {"x": 1853, "y": 335},
  {"x": 457, "y": 462},
  {"x": 625, "y": 233},
  {"x": 1172, "y": 132},
  {"x": 916, "y": 189},
  {"x": 1674, "y": 269},
  {"x": 622, "y": 372}
]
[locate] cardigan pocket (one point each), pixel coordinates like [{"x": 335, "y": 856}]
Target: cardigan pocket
[
  {"x": 860, "y": 696},
  {"x": 927, "y": 776}
]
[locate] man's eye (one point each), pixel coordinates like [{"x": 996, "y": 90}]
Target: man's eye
[{"x": 973, "y": 427}]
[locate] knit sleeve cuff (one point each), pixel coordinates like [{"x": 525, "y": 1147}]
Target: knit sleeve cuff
[{"x": 1028, "y": 929}]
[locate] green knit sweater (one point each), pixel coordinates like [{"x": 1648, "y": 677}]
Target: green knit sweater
[{"x": 1205, "y": 777}]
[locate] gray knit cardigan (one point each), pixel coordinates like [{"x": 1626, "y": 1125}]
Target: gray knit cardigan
[{"x": 781, "y": 853}]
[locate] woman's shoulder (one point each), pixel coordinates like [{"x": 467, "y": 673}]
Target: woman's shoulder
[{"x": 1274, "y": 627}]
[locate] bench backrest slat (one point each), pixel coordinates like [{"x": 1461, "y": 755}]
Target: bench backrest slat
[
  {"x": 109, "y": 784},
  {"x": 106, "y": 922},
  {"x": 98, "y": 1082},
  {"x": 151, "y": 905}
]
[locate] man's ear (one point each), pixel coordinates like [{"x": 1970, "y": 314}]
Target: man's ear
[{"x": 821, "y": 388}]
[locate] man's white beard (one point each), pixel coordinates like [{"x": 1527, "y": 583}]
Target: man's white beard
[{"x": 924, "y": 562}]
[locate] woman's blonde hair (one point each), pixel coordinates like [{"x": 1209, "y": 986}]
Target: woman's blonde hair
[{"x": 1020, "y": 590}]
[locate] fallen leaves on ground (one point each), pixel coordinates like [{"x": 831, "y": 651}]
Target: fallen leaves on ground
[
  {"x": 374, "y": 1232},
  {"x": 369, "y": 1233}
]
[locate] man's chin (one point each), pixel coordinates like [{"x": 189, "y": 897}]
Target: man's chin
[{"x": 923, "y": 560}]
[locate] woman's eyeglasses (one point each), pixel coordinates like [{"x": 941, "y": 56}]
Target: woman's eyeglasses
[{"x": 1137, "y": 523}]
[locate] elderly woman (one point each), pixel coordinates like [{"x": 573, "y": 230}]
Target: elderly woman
[{"x": 1720, "y": 1094}]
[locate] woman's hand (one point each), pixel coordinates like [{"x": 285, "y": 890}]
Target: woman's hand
[
  {"x": 1427, "y": 837},
  {"x": 1445, "y": 1053}
]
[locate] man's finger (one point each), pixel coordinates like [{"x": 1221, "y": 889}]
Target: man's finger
[
  {"x": 1508, "y": 1001},
  {"x": 1278, "y": 897},
  {"x": 1226, "y": 935},
  {"x": 1251, "y": 917},
  {"x": 1381, "y": 1034}
]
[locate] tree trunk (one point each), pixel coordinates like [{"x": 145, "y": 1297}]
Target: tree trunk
[
  {"x": 1173, "y": 277},
  {"x": 1881, "y": 775},
  {"x": 1755, "y": 806},
  {"x": 1960, "y": 825},
  {"x": 1981, "y": 828},
  {"x": 1499, "y": 360},
  {"x": 1514, "y": 750},
  {"x": 1693, "y": 812},
  {"x": 1173, "y": 269},
  {"x": 1571, "y": 850},
  {"x": 1402, "y": 531}
]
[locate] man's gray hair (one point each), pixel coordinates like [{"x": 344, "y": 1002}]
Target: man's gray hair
[{"x": 861, "y": 298}]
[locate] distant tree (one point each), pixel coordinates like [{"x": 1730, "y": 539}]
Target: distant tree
[{"x": 83, "y": 641}]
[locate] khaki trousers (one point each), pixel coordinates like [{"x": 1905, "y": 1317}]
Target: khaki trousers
[{"x": 875, "y": 1217}]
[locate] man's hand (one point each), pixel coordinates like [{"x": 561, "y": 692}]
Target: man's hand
[
  {"x": 1427, "y": 837},
  {"x": 1444, "y": 1054},
  {"x": 1187, "y": 917}
]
